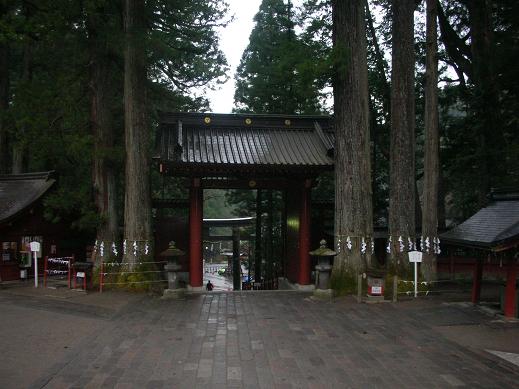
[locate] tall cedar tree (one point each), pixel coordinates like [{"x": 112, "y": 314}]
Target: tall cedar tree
[
  {"x": 137, "y": 205},
  {"x": 484, "y": 126},
  {"x": 275, "y": 72},
  {"x": 431, "y": 146},
  {"x": 101, "y": 120},
  {"x": 402, "y": 147},
  {"x": 353, "y": 208},
  {"x": 19, "y": 163},
  {"x": 486, "y": 99},
  {"x": 55, "y": 107},
  {"x": 4, "y": 103}
]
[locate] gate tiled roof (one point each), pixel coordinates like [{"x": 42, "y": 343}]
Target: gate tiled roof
[
  {"x": 19, "y": 191},
  {"x": 245, "y": 142}
]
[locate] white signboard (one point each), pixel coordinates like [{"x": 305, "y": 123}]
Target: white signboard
[
  {"x": 415, "y": 256},
  {"x": 376, "y": 290},
  {"x": 35, "y": 246}
]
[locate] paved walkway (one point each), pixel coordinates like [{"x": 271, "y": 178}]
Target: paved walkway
[{"x": 249, "y": 340}]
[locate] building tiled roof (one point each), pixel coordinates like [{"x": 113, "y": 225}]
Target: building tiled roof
[
  {"x": 492, "y": 226},
  {"x": 19, "y": 191},
  {"x": 252, "y": 142}
]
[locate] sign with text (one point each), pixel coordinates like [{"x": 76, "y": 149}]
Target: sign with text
[{"x": 415, "y": 256}]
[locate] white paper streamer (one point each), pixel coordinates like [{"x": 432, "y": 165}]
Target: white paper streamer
[
  {"x": 436, "y": 246},
  {"x": 102, "y": 249},
  {"x": 57, "y": 271},
  {"x": 401, "y": 242},
  {"x": 124, "y": 247},
  {"x": 363, "y": 246},
  {"x": 135, "y": 248},
  {"x": 348, "y": 243},
  {"x": 388, "y": 248},
  {"x": 61, "y": 261},
  {"x": 114, "y": 249}
]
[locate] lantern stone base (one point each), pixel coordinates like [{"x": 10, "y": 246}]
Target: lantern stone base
[{"x": 323, "y": 293}]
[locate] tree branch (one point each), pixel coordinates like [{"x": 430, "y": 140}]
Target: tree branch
[{"x": 456, "y": 48}]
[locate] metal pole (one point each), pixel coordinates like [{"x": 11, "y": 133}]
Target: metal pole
[
  {"x": 35, "y": 270},
  {"x": 415, "y": 279}
]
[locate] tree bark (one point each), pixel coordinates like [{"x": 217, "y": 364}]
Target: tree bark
[
  {"x": 4, "y": 105},
  {"x": 19, "y": 161},
  {"x": 353, "y": 207},
  {"x": 431, "y": 146},
  {"x": 380, "y": 63},
  {"x": 402, "y": 159},
  {"x": 103, "y": 170},
  {"x": 485, "y": 101},
  {"x": 137, "y": 206}
]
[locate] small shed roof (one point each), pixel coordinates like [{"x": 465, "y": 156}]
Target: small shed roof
[
  {"x": 494, "y": 227},
  {"x": 20, "y": 191},
  {"x": 227, "y": 143}
]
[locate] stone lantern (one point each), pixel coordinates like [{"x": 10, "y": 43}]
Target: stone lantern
[
  {"x": 171, "y": 254},
  {"x": 323, "y": 269}
]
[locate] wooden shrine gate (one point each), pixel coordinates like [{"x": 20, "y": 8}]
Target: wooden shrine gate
[{"x": 238, "y": 151}]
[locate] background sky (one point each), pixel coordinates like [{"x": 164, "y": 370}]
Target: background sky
[{"x": 233, "y": 40}]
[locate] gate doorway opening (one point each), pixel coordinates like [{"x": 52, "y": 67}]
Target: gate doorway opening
[{"x": 246, "y": 252}]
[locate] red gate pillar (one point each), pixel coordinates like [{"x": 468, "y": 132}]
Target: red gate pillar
[
  {"x": 476, "y": 282},
  {"x": 510, "y": 292},
  {"x": 304, "y": 235},
  {"x": 195, "y": 234}
]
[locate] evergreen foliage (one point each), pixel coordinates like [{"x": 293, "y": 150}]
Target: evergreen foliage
[
  {"x": 277, "y": 70},
  {"x": 47, "y": 114}
]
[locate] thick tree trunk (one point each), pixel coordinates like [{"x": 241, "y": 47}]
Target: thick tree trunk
[
  {"x": 431, "y": 146},
  {"x": 486, "y": 100},
  {"x": 4, "y": 105},
  {"x": 19, "y": 161},
  {"x": 353, "y": 207},
  {"x": 103, "y": 172},
  {"x": 402, "y": 160},
  {"x": 137, "y": 206}
]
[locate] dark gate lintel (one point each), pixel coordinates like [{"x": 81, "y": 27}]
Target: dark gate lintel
[{"x": 253, "y": 183}]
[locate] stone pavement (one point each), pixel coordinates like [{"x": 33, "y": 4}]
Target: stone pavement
[{"x": 249, "y": 340}]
